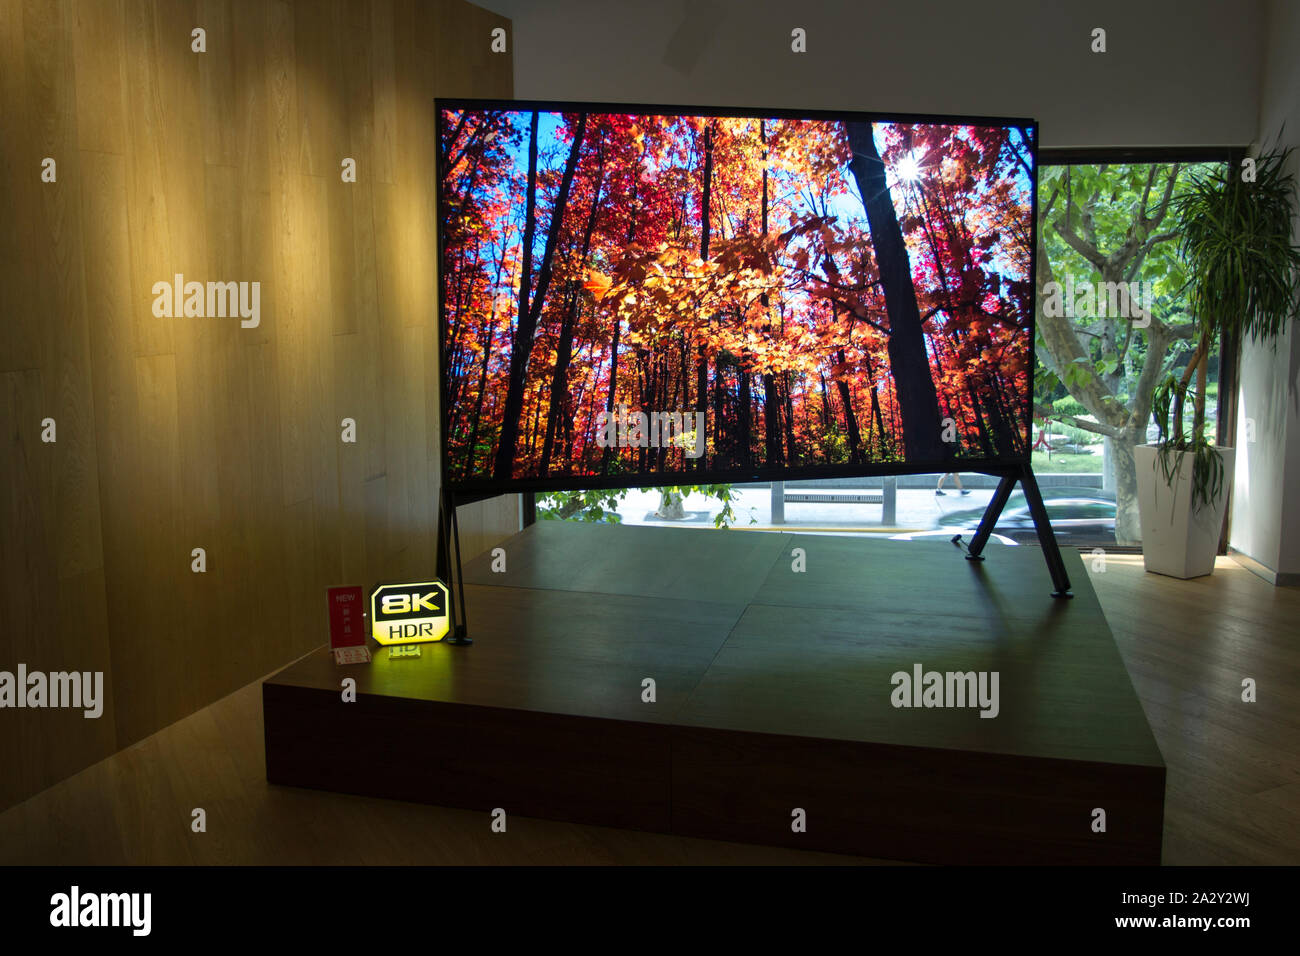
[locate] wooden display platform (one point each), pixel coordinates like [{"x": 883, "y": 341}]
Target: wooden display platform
[{"x": 773, "y": 692}]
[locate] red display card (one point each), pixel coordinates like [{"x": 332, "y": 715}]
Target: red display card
[{"x": 347, "y": 627}]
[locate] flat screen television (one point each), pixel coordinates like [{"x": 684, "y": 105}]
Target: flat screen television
[{"x": 646, "y": 295}]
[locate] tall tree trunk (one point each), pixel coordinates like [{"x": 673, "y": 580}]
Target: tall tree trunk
[
  {"x": 1001, "y": 420},
  {"x": 613, "y": 348},
  {"x": 771, "y": 421},
  {"x": 478, "y": 400},
  {"x": 850, "y": 419},
  {"x": 487, "y": 342},
  {"x": 908, "y": 363},
  {"x": 559, "y": 380},
  {"x": 530, "y": 303},
  {"x": 721, "y": 437},
  {"x": 791, "y": 454},
  {"x": 880, "y": 419},
  {"x": 986, "y": 443},
  {"x": 771, "y": 407},
  {"x": 1128, "y": 525},
  {"x": 701, "y": 359},
  {"x": 564, "y": 347},
  {"x": 878, "y": 448},
  {"x": 744, "y": 415}
]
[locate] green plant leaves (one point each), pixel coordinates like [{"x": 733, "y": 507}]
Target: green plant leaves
[
  {"x": 1236, "y": 241},
  {"x": 1207, "y": 466},
  {"x": 601, "y": 504}
]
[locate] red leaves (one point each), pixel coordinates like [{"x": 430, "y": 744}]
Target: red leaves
[{"x": 789, "y": 288}]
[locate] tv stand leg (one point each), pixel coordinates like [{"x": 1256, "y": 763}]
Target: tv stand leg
[
  {"x": 452, "y": 574},
  {"x": 1043, "y": 527},
  {"x": 1046, "y": 537},
  {"x": 991, "y": 513}
]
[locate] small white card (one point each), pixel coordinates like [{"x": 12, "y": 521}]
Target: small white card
[{"x": 357, "y": 654}]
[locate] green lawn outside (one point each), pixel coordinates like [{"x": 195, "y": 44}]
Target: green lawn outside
[{"x": 1062, "y": 462}]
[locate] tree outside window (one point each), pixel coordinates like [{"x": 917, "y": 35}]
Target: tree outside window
[{"x": 1112, "y": 318}]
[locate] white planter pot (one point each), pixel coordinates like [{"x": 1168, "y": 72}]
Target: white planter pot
[{"x": 1177, "y": 539}]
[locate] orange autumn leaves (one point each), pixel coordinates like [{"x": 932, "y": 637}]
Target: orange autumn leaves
[
  {"x": 721, "y": 264},
  {"x": 597, "y": 284}
]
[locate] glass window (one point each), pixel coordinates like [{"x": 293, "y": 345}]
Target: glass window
[{"x": 1112, "y": 321}]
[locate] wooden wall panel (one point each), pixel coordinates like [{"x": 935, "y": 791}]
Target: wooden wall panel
[
  {"x": 192, "y": 432},
  {"x": 464, "y": 65}
]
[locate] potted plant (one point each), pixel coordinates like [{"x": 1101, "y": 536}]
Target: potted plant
[{"x": 1244, "y": 279}]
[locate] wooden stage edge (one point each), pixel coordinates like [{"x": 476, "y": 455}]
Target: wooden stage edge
[{"x": 774, "y": 660}]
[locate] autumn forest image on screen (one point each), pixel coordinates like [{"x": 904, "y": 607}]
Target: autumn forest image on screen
[{"x": 816, "y": 294}]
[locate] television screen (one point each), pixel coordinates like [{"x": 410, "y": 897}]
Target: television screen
[{"x": 649, "y": 295}]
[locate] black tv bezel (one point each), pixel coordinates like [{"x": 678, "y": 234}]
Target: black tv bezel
[{"x": 499, "y": 486}]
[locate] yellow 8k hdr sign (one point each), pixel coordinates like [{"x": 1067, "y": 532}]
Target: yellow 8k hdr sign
[{"x": 409, "y": 613}]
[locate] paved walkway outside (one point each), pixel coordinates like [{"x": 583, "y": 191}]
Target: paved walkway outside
[{"x": 917, "y": 509}]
